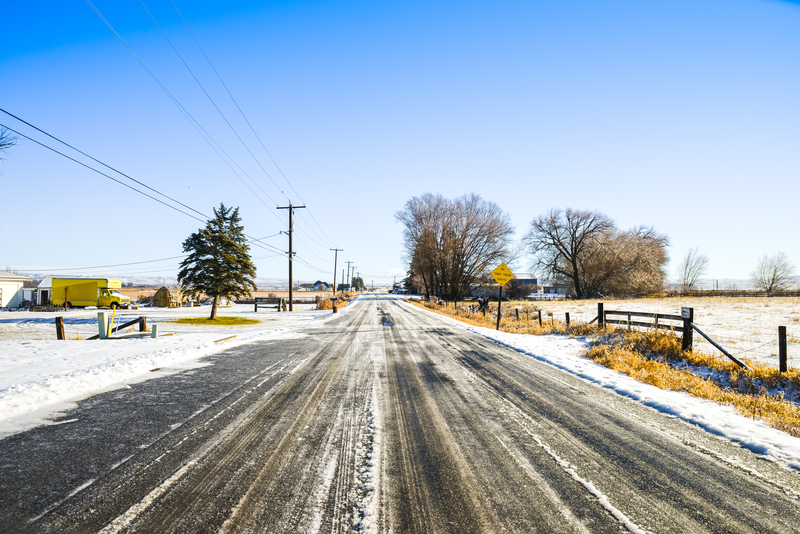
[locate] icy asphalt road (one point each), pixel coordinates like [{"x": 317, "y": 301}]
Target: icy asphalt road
[{"x": 384, "y": 419}]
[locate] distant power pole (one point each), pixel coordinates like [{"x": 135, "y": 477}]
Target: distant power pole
[
  {"x": 335, "y": 259},
  {"x": 348, "y": 275},
  {"x": 291, "y": 253}
]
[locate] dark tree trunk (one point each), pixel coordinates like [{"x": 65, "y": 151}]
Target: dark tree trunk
[{"x": 214, "y": 308}]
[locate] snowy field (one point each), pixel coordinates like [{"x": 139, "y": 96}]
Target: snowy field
[
  {"x": 40, "y": 376},
  {"x": 745, "y": 327}
]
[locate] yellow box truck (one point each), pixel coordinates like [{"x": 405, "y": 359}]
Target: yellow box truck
[{"x": 82, "y": 292}]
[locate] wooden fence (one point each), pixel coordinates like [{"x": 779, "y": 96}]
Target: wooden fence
[{"x": 683, "y": 324}]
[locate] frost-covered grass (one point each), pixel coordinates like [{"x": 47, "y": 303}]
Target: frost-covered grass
[{"x": 656, "y": 358}]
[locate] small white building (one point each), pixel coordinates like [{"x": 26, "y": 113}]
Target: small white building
[
  {"x": 42, "y": 295},
  {"x": 11, "y": 289}
]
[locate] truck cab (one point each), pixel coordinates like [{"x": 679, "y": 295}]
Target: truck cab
[{"x": 111, "y": 298}]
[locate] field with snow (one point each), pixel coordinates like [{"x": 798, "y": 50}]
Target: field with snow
[
  {"x": 745, "y": 327},
  {"x": 40, "y": 376}
]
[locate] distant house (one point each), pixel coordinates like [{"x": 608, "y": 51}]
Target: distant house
[
  {"x": 316, "y": 286},
  {"x": 553, "y": 287},
  {"x": 527, "y": 279},
  {"x": 11, "y": 289}
]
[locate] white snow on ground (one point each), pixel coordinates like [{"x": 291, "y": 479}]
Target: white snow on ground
[
  {"x": 40, "y": 376},
  {"x": 565, "y": 353}
]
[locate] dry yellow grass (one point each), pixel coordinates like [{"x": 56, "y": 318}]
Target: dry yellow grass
[
  {"x": 656, "y": 358},
  {"x": 775, "y": 410},
  {"x": 528, "y": 322},
  {"x": 325, "y": 302}
]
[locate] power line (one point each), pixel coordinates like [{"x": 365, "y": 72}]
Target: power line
[
  {"x": 235, "y": 103},
  {"x": 212, "y": 101},
  {"x": 104, "y": 174},
  {"x": 98, "y": 161},
  {"x": 248, "y": 123},
  {"x": 206, "y": 136},
  {"x": 256, "y": 242},
  {"x": 106, "y": 266},
  {"x": 203, "y": 133}
]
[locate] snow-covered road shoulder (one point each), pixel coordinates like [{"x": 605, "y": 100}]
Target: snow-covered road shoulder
[
  {"x": 566, "y": 354},
  {"x": 39, "y": 379}
]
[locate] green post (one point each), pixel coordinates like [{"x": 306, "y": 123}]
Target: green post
[{"x": 102, "y": 324}]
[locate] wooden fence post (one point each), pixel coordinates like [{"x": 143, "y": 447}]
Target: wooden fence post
[
  {"x": 686, "y": 341},
  {"x": 142, "y": 324},
  {"x": 516, "y": 310},
  {"x": 60, "y": 328},
  {"x": 567, "y": 318},
  {"x": 782, "y": 352},
  {"x": 629, "y": 321},
  {"x": 601, "y": 317},
  {"x": 540, "y": 317}
]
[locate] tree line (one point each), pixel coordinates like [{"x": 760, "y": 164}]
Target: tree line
[{"x": 451, "y": 245}]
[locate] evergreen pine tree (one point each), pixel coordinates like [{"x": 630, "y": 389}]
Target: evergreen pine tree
[{"x": 219, "y": 263}]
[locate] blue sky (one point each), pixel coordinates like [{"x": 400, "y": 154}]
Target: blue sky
[{"x": 682, "y": 115}]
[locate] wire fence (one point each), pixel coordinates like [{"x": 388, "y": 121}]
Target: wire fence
[
  {"x": 746, "y": 330},
  {"x": 752, "y": 340}
]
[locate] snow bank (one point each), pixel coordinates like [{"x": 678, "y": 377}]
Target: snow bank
[{"x": 39, "y": 378}]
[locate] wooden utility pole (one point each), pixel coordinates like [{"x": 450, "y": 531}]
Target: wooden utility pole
[
  {"x": 335, "y": 259},
  {"x": 291, "y": 252},
  {"x": 348, "y": 274}
]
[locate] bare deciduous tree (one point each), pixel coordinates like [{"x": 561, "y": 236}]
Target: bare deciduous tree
[
  {"x": 691, "y": 268},
  {"x": 586, "y": 248},
  {"x": 6, "y": 140},
  {"x": 450, "y": 243},
  {"x": 563, "y": 243},
  {"x": 773, "y": 273}
]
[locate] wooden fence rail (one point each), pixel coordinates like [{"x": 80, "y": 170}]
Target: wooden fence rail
[{"x": 687, "y": 327}]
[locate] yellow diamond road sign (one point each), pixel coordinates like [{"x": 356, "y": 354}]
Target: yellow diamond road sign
[{"x": 502, "y": 274}]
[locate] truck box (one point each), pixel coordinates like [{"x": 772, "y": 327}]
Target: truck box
[{"x": 82, "y": 292}]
